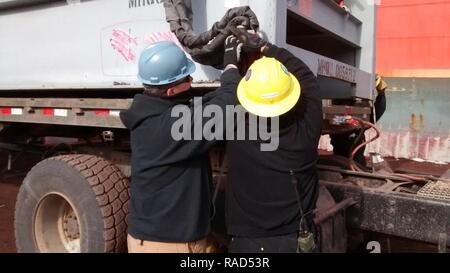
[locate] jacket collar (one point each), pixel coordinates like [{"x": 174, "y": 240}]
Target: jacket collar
[{"x": 144, "y": 106}]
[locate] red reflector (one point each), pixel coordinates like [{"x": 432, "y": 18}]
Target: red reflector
[
  {"x": 102, "y": 112},
  {"x": 6, "y": 111},
  {"x": 48, "y": 111},
  {"x": 353, "y": 122}
]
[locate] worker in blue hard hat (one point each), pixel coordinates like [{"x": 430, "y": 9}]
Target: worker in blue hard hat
[{"x": 171, "y": 179}]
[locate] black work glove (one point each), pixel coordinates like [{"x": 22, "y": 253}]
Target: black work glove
[
  {"x": 252, "y": 42},
  {"x": 232, "y": 51}
]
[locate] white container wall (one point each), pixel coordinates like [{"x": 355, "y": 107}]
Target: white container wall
[{"x": 72, "y": 44}]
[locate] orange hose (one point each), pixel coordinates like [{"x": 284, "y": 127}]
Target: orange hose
[{"x": 354, "y": 167}]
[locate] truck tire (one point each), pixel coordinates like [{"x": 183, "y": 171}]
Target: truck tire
[{"x": 72, "y": 203}]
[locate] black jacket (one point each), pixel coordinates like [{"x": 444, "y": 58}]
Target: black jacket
[
  {"x": 171, "y": 180},
  {"x": 261, "y": 201}
]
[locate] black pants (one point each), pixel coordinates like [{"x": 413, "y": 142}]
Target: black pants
[{"x": 278, "y": 244}]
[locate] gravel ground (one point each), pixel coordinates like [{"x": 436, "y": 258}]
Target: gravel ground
[{"x": 8, "y": 192}]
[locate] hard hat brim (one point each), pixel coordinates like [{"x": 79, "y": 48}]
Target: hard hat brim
[
  {"x": 189, "y": 71},
  {"x": 270, "y": 110}
]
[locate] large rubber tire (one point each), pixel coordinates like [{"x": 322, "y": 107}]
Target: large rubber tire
[{"x": 94, "y": 195}]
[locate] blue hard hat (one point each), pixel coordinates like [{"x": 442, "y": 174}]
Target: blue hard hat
[{"x": 164, "y": 63}]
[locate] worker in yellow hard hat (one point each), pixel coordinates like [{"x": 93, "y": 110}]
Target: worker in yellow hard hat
[{"x": 270, "y": 195}]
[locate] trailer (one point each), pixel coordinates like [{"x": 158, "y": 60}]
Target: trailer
[{"x": 68, "y": 67}]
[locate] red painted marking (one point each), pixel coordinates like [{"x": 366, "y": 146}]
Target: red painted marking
[
  {"x": 124, "y": 44},
  {"x": 48, "y": 111},
  {"x": 6, "y": 111},
  {"x": 159, "y": 37}
]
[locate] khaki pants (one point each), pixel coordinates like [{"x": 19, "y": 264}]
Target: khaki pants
[{"x": 140, "y": 246}]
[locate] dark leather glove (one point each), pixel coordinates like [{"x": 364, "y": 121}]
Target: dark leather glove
[
  {"x": 232, "y": 51},
  {"x": 252, "y": 42}
]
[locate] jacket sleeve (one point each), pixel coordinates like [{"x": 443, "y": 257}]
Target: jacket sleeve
[
  {"x": 201, "y": 137},
  {"x": 380, "y": 106},
  {"x": 310, "y": 105}
]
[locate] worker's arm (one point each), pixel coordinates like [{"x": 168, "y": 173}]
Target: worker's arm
[
  {"x": 380, "y": 101},
  {"x": 310, "y": 104},
  {"x": 380, "y": 105}
]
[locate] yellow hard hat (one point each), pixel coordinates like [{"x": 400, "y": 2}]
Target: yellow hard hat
[{"x": 268, "y": 89}]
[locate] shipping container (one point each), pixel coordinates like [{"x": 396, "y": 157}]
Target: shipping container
[{"x": 413, "y": 52}]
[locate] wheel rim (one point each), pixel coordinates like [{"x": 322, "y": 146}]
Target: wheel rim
[{"x": 56, "y": 225}]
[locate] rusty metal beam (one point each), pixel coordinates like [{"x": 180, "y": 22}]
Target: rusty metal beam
[
  {"x": 397, "y": 214},
  {"x": 77, "y": 112}
]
